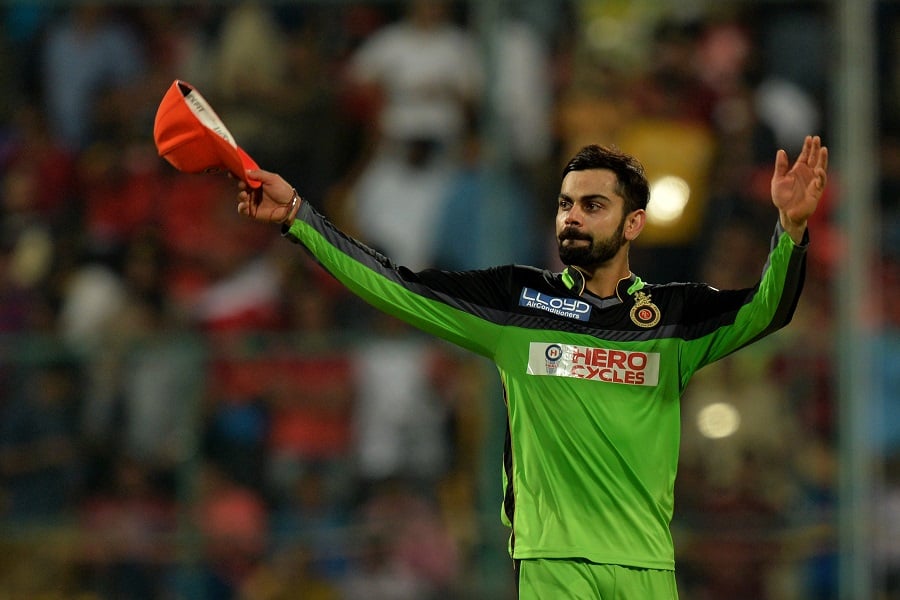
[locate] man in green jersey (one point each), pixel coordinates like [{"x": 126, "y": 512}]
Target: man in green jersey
[{"x": 593, "y": 361}]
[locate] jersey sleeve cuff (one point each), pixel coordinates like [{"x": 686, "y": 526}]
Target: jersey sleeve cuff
[
  {"x": 780, "y": 231},
  {"x": 291, "y": 230}
]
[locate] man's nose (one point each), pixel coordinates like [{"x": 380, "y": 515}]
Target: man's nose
[{"x": 573, "y": 216}]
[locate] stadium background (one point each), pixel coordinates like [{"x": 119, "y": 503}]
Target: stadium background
[{"x": 190, "y": 408}]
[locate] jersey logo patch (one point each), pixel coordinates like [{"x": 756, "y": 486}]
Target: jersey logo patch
[
  {"x": 644, "y": 313},
  {"x": 571, "y": 308},
  {"x": 595, "y": 364}
]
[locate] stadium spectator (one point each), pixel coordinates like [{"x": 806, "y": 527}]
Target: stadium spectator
[{"x": 89, "y": 57}]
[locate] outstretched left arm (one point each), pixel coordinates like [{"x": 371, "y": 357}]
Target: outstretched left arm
[{"x": 797, "y": 189}]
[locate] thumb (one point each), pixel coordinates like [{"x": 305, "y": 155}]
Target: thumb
[
  {"x": 261, "y": 175},
  {"x": 781, "y": 163}
]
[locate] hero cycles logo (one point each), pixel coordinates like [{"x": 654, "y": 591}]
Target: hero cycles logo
[{"x": 595, "y": 364}]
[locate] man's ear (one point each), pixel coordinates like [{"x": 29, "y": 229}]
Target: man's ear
[{"x": 634, "y": 223}]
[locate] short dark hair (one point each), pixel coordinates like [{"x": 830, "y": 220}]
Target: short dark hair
[{"x": 633, "y": 185}]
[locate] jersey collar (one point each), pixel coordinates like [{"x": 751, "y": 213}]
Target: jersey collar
[{"x": 574, "y": 280}]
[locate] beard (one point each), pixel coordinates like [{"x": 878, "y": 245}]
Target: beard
[{"x": 595, "y": 252}]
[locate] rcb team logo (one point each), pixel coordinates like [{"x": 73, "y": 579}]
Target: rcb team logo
[{"x": 644, "y": 313}]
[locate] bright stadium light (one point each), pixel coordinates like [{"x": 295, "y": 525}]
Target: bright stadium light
[
  {"x": 718, "y": 420},
  {"x": 669, "y": 196}
]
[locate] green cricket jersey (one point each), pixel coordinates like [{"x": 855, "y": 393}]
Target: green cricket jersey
[{"x": 591, "y": 385}]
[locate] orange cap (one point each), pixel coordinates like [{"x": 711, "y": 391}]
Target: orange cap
[{"x": 191, "y": 136}]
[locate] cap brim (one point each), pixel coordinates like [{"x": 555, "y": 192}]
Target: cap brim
[{"x": 193, "y": 139}]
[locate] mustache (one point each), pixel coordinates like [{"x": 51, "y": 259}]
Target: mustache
[{"x": 571, "y": 233}]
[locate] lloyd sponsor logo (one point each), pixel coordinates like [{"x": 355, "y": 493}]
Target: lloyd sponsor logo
[
  {"x": 595, "y": 364},
  {"x": 564, "y": 307}
]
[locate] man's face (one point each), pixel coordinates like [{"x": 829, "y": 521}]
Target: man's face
[{"x": 590, "y": 218}]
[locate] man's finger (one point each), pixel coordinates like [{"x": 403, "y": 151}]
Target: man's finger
[
  {"x": 781, "y": 163},
  {"x": 823, "y": 158},
  {"x": 806, "y": 152},
  {"x": 815, "y": 150}
]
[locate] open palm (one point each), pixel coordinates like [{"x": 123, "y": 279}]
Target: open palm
[{"x": 797, "y": 189}]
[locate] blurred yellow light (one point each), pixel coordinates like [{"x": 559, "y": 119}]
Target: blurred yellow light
[
  {"x": 669, "y": 197},
  {"x": 718, "y": 420}
]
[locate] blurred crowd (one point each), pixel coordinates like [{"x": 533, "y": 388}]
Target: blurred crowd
[{"x": 191, "y": 408}]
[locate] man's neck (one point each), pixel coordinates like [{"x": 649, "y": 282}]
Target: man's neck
[{"x": 603, "y": 280}]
